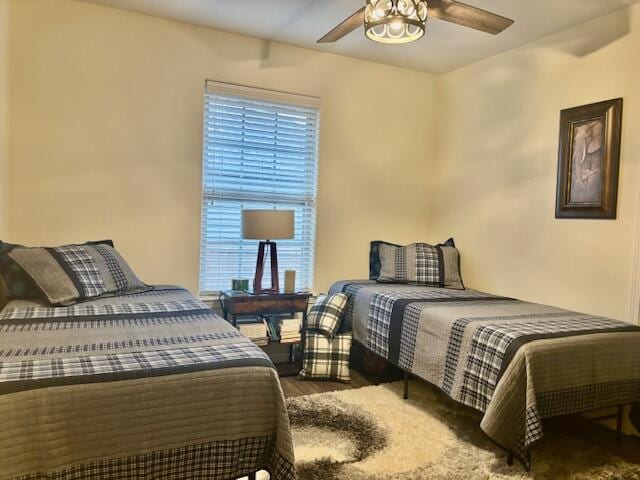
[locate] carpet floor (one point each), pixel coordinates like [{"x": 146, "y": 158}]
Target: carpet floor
[{"x": 371, "y": 433}]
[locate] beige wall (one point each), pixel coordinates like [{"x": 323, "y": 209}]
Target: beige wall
[
  {"x": 106, "y": 142},
  {"x": 4, "y": 115},
  {"x": 495, "y": 178},
  {"x": 106, "y": 127}
]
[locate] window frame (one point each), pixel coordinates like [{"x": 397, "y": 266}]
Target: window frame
[{"x": 271, "y": 96}]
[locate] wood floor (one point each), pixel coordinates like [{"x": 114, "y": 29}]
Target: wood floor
[{"x": 294, "y": 387}]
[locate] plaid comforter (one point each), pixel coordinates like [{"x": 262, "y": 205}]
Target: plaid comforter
[
  {"x": 144, "y": 386},
  {"x": 517, "y": 362}
]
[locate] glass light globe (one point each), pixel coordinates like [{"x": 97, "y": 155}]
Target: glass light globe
[{"x": 395, "y": 21}]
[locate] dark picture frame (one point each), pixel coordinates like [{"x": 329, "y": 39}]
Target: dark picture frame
[{"x": 589, "y": 160}]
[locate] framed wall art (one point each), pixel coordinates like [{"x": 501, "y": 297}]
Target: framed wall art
[{"x": 589, "y": 160}]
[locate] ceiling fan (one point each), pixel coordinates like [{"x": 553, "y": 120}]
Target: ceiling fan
[{"x": 403, "y": 21}]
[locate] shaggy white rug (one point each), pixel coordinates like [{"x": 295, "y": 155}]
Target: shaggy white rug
[{"x": 371, "y": 433}]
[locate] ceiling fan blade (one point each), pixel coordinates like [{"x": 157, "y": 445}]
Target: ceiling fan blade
[
  {"x": 349, "y": 25},
  {"x": 468, "y": 16}
]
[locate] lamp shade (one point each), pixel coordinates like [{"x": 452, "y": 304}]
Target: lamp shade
[{"x": 267, "y": 224}]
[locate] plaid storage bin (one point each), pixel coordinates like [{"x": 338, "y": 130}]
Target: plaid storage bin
[{"x": 326, "y": 358}]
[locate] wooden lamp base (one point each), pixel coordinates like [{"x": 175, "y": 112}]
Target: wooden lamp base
[{"x": 273, "y": 253}]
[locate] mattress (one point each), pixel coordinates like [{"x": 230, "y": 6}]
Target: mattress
[
  {"x": 144, "y": 386},
  {"x": 516, "y": 362}
]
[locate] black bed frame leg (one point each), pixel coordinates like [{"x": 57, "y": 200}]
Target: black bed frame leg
[
  {"x": 619, "y": 419},
  {"x": 510, "y": 459},
  {"x": 406, "y": 386},
  {"x": 252, "y": 476}
]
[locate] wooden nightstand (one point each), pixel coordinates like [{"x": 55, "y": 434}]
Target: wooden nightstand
[{"x": 241, "y": 304}]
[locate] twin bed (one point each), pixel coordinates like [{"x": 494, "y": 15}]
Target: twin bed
[
  {"x": 140, "y": 386},
  {"x": 514, "y": 361},
  {"x": 152, "y": 384}
]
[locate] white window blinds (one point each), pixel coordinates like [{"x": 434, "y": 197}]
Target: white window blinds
[{"x": 260, "y": 151}]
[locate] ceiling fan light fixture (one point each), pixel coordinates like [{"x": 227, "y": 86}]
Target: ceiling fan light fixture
[{"x": 395, "y": 21}]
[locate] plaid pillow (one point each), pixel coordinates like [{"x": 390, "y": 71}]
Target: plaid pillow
[
  {"x": 326, "y": 312},
  {"x": 326, "y": 358},
  {"x": 4, "y": 293},
  {"x": 420, "y": 264},
  {"x": 374, "y": 255},
  {"x": 67, "y": 274}
]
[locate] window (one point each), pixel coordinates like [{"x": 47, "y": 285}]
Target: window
[{"x": 260, "y": 151}]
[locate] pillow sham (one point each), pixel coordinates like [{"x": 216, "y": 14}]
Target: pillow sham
[
  {"x": 17, "y": 282},
  {"x": 67, "y": 274},
  {"x": 421, "y": 264},
  {"x": 374, "y": 258},
  {"x": 374, "y": 255},
  {"x": 326, "y": 313},
  {"x": 4, "y": 293}
]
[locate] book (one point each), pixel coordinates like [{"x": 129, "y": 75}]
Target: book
[
  {"x": 272, "y": 330},
  {"x": 283, "y": 330},
  {"x": 290, "y": 340},
  {"x": 255, "y": 331},
  {"x": 290, "y": 325},
  {"x": 290, "y": 330}
]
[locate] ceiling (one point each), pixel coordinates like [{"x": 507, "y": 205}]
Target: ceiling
[{"x": 446, "y": 46}]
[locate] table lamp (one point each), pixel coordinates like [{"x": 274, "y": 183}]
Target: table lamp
[{"x": 266, "y": 226}]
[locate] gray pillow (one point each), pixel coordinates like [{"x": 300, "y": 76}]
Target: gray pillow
[
  {"x": 374, "y": 255},
  {"x": 67, "y": 274},
  {"x": 420, "y": 264},
  {"x": 4, "y": 293}
]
